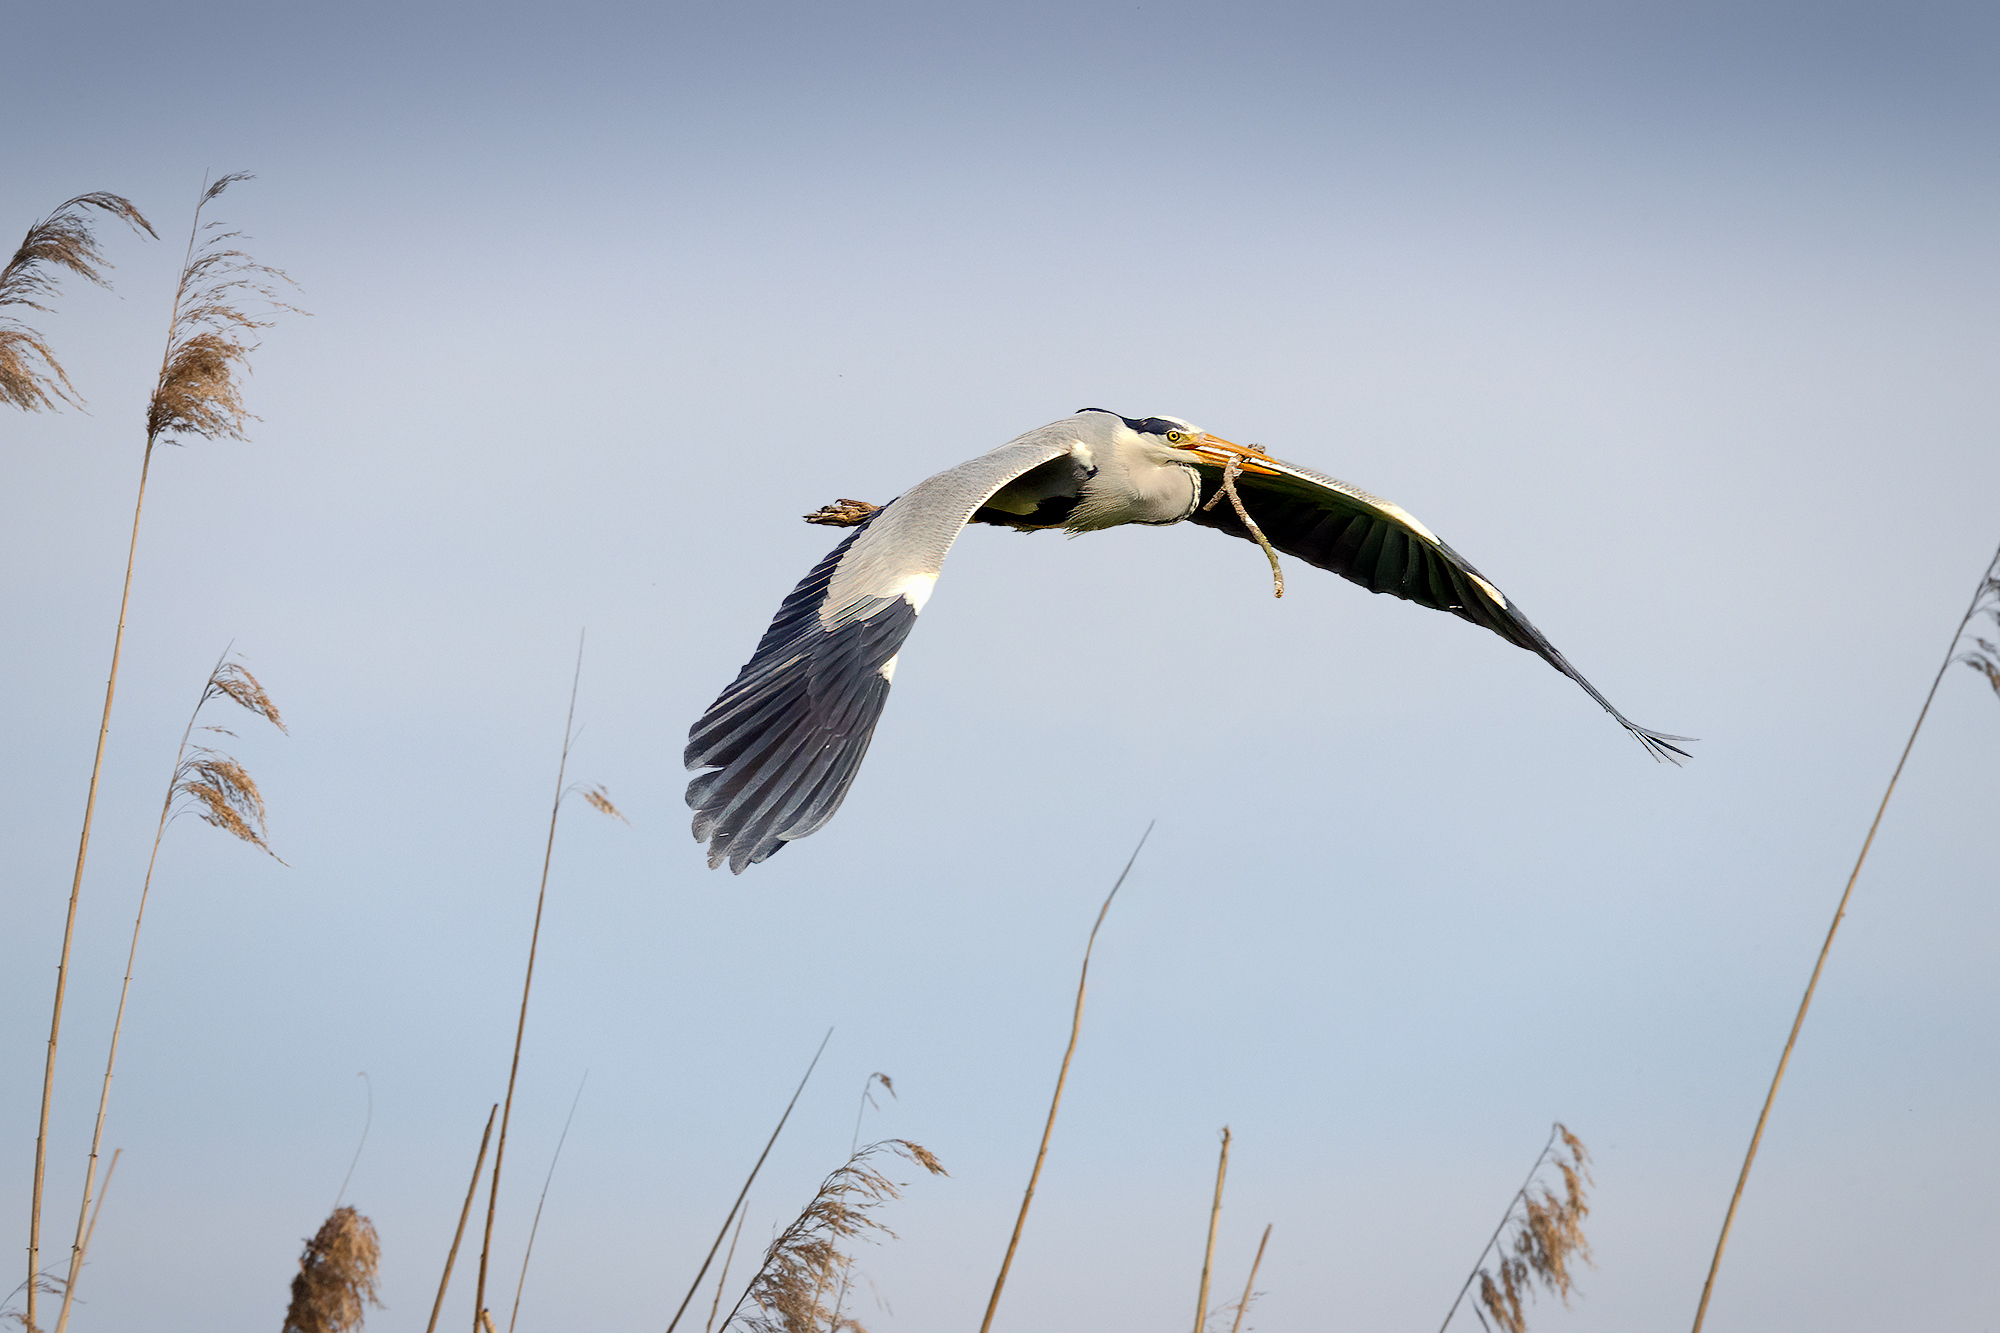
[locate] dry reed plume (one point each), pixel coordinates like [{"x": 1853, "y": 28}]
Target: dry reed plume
[
  {"x": 214, "y": 786},
  {"x": 1984, "y": 657},
  {"x": 195, "y": 394},
  {"x": 1985, "y": 597},
  {"x": 1544, "y": 1233},
  {"x": 806, "y": 1261},
  {"x": 61, "y": 240},
  {"x": 336, "y": 1280}
]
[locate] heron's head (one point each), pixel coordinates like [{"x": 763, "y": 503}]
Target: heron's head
[{"x": 1168, "y": 440}]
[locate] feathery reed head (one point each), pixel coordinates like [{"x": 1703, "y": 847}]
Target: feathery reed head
[
  {"x": 198, "y": 392},
  {"x": 211, "y": 783},
  {"x": 336, "y": 1276},
  {"x": 1547, "y": 1234},
  {"x": 1985, "y": 658},
  {"x": 600, "y": 801},
  {"x": 806, "y": 1262},
  {"x": 63, "y": 239}
]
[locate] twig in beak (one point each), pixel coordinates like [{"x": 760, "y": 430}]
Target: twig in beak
[{"x": 1230, "y": 471}]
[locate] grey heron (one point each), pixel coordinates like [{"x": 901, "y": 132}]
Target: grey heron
[{"x": 780, "y": 747}]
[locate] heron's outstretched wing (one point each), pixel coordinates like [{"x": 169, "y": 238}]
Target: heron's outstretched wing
[
  {"x": 782, "y": 743},
  {"x": 1368, "y": 540}
]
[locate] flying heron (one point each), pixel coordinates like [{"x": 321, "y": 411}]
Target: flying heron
[{"x": 781, "y": 745}]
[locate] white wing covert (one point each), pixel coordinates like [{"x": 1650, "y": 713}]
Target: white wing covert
[{"x": 782, "y": 744}]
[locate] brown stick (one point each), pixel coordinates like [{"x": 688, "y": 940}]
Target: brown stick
[
  {"x": 527, "y": 982},
  {"x": 744, "y": 1192},
  {"x": 1255, "y": 1264},
  {"x": 1055, "y": 1102},
  {"x": 1805, "y": 1002},
  {"x": 471, "y": 1191},
  {"x": 547, "y": 1180},
  {"x": 1232, "y": 469},
  {"x": 1214, "y": 1219}
]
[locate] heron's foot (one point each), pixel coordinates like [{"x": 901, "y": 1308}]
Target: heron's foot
[{"x": 846, "y": 514}]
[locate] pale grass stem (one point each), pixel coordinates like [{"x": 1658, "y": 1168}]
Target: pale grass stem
[
  {"x": 743, "y": 1193},
  {"x": 601, "y": 802},
  {"x": 196, "y": 394},
  {"x": 547, "y": 1180},
  {"x": 1250, "y": 1283},
  {"x": 1055, "y": 1102},
  {"x": 1231, "y": 470},
  {"x": 224, "y": 794},
  {"x": 471, "y": 1192},
  {"x": 1214, "y": 1220},
  {"x": 1989, "y": 587},
  {"x": 715, "y": 1307}
]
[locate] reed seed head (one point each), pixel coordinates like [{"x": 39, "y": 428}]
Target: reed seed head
[
  {"x": 198, "y": 392},
  {"x": 62, "y": 240},
  {"x": 806, "y": 1262},
  {"x": 1545, "y": 1233},
  {"x": 337, "y": 1275},
  {"x": 600, "y": 801}
]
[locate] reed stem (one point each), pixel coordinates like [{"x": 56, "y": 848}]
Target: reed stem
[
  {"x": 1055, "y": 1102},
  {"x": 471, "y": 1191},
  {"x": 1214, "y": 1220},
  {"x": 1250, "y": 1285},
  {"x": 527, "y": 983},
  {"x": 1839, "y": 912},
  {"x": 744, "y": 1192}
]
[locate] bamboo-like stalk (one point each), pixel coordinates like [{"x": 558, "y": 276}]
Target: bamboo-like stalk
[
  {"x": 1214, "y": 1220},
  {"x": 546, "y": 1181},
  {"x": 471, "y": 1192},
  {"x": 741, "y": 1194},
  {"x": 76, "y": 883},
  {"x": 1250, "y": 1283},
  {"x": 1055, "y": 1102},
  {"x": 1805, "y": 1002},
  {"x": 527, "y": 983}
]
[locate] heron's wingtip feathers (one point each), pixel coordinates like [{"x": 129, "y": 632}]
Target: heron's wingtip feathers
[{"x": 1660, "y": 745}]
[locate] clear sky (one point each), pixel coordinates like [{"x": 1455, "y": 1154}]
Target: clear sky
[{"x": 1677, "y": 319}]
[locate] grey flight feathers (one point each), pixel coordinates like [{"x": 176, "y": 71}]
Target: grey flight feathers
[{"x": 779, "y": 748}]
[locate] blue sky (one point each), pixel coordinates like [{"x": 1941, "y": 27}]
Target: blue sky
[{"x": 1677, "y": 320}]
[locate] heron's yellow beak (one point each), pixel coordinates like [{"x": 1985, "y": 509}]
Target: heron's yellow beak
[{"x": 1218, "y": 451}]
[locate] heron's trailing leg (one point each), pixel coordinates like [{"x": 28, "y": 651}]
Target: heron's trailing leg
[
  {"x": 1230, "y": 471},
  {"x": 846, "y": 514}
]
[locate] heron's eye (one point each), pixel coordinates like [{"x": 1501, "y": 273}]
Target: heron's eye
[{"x": 1175, "y": 436}]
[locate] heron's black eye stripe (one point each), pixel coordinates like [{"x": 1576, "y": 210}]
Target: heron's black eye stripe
[{"x": 1150, "y": 426}]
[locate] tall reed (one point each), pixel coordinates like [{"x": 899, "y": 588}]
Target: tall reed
[
  {"x": 744, "y": 1193},
  {"x": 1986, "y": 596},
  {"x": 1214, "y": 1220},
  {"x": 195, "y": 394},
  {"x": 471, "y": 1193},
  {"x": 1546, "y": 1236},
  {"x": 1062, "y": 1076},
  {"x": 600, "y": 802},
  {"x": 1250, "y": 1283},
  {"x": 802, "y": 1263},
  {"x": 64, "y": 240},
  {"x": 547, "y": 1180},
  {"x": 215, "y": 787}
]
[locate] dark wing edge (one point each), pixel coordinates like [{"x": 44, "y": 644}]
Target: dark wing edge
[
  {"x": 782, "y": 744},
  {"x": 1373, "y": 543}
]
